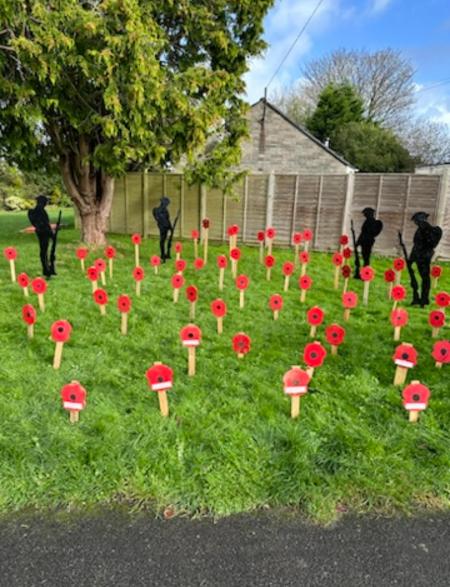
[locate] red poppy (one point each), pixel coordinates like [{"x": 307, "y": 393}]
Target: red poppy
[
  {"x": 10, "y": 253},
  {"x": 367, "y": 273},
  {"x": 349, "y": 299},
  {"x": 180, "y": 265},
  {"x": 442, "y": 299},
  {"x": 335, "y": 334},
  {"x": 399, "y": 264},
  {"x": 271, "y": 233},
  {"x": 346, "y": 271},
  {"x": 191, "y": 293},
  {"x": 288, "y": 268},
  {"x": 233, "y": 230},
  {"x": 205, "y": 222},
  {"x": 195, "y": 234},
  {"x": 398, "y": 293},
  {"x": 100, "y": 297},
  {"x": 155, "y": 260},
  {"x": 295, "y": 381},
  {"x": 297, "y": 238},
  {"x": 136, "y": 239},
  {"x": 305, "y": 282},
  {"x": 303, "y": 257},
  {"x": 441, "y": 351},
  {"x": 276, "y": 302},
  {"x": 343, "y": 240},
  {"x": 242, "y": 282},
  {"x": 260, "y": 236},
  {"x": 222, "y": 261},
  {"x": 81, "y": 253},
  {"x": 199, "y": 263},
  {"x": 39, "y": 285},
  {"x": 399, "y": 317},
  {"x": 138, "y": 274},
  {"x": 110, "y": 252},
  {"x": 307, "y": 235},
  {"x": 436, "y": 271},
  {"x": 29, "y": 314},
  {"x": 218, "y": 308},
  {"x": 415, "y": 397},
  {"x": 92, "y": 273},
  {"x": 73, "y": 396},
  {"x": 100, "y": 265},
  {"x": 269, "y": 261},
  {"x": 23, "y": 280},
  {"x": 235, "y": 254},
  {"x": 241, "y": 343},
  {"x": 337, "y": 259},
  {"x": 405, "y": 356},
  {"x": 124, "y": 303},
  {"x": 178, "y": 247},
  {"x": 177, "y": 281},
  {"x": 389, "y": 276},
  {"x": 315, "y": 316},
  {"x": 60, "y": 331},
  {"x": 314, "y": 354},
  {"x": 190, "y": 335},
  {"x": 347, "y": 253},
  {"x": 436, "y": 319},
  {"x": 159, "y": 377}
]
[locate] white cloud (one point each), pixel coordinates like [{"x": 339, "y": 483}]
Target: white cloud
[
  {"x": 379, "y": 6},
  {"x": 434, "y": 104}
]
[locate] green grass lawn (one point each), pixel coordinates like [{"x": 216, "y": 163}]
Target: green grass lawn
[{"x": 229, "y": 444}]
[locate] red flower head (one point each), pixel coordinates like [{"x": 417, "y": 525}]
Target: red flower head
[
  {"x": 337, "y": 259},
  {"x": 23, "y": 280},
  {"x": 205, "y": 222},
  {"x": 159, "y": 377},
  {"x": 343, "y": 240},
  {"x": 314, "y": 354},
  {"x": 138, "y": 274},
  {"x": 235, "y": 254},
  {"x": 242, "y": 282},
  {"x": 315, "y": 316},
  {"x": 441, "y": 351},
  {"x": 271, "y": 233},
  {"x": 399, "y": 264},
  {"x": 304, "y": 257},
  {"x": 241, "y": 343},
  {"x": 349, "y": 300},
  {"x": 222, "y": 261},
  {"x": 73, "y": 396},
  {"x": 347, "y": 253},
  {"x": 136, "y": 239},
  {"x": 367, "y": 273},
  {"x": 81, "y": 253},
  {"x": 389, "y": 276},
  {"x": 178, "y": 247},
  {"x": 307, "y": 235},
  {"x": 261, "y": 236},
  {"x": 346, "y": 271},
  {"x": 60, "y": 331},
  {"x": 39, "y": 285},
  {"x": 92, "y": 273},
  {"x": 295, "y": 381},
  {"x": 219, "y": 308},
  {"x": 436, "y": 271},
  {"x": 405, "y": 356},
  {"x": 399, "y": 317},
  {"x": 436, "y": 318},
  {"x": 100, "y": 297},
  {"x": 233, "y": 230},
  {"x": 100, "y": 265},
  {"x": 10, "y": 253},
  {"x": 199, "y": 263},
  {"x": 155, "y": 260},
  {"x": 190, "y": 335},
  {"x": 110, "y": 252},
  {"x": 288, "y": 268},
  {"x": 177, "y": 281},
  {"x": 415, "y": 397},
  {"x": 191, "y": 293},
  {"x": 195, "y": 234},
  {"x": 398, "y": 293},
  {"x": 297, "y": 238},
  {"x": 180, "y": 265},
  {"x": 124, "y": 304},
  {"x": 335, "y": 334},
  {"x": 305, "y": 282},
  {"x": 442, "y": 299},
  {"x": 29, "y": 314},
  {"x": 276, "y": 302},
  {"x": 269, "y": 261}
]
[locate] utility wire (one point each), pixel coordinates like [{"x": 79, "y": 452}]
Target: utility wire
[{"x": 441, "y": 83}]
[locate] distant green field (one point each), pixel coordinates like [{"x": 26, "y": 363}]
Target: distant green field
[{"x": 229, "y": 444}]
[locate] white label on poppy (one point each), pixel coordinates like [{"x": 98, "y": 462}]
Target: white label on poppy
[
  {"x": 191, "y": 342},
  {"x": 415, "y": 406},
  {"x": 295, "y": 389},
  {"x": 402, "y": 363},
  {"x": 73, "y": 406},
  {"x": 162, "y": 385}
]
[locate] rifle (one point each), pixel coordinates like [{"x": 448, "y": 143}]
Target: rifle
[
  {"x": 172, "y": 230},
  {"x": 357, "y": 261},
  {"x": 412, "y": 275},
  {"x": 53, "y": 249}
]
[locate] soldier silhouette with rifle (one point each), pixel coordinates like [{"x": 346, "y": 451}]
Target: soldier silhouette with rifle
[
  {"x": 166, "y": 228},
  {"x": 426, "y": 238},
  {"x": 40, "y": 220},
  {"x": 370, "y": 229}
]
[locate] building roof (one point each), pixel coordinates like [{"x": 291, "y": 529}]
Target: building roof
[{"x": 305, "y": 132}]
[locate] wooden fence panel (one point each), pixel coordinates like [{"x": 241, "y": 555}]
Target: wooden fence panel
[
  {"x": 330, "y": 211},
  {"x": 155, "y": 191},
  {"x": 191, "y": 209},
  {"x": 283, "y": 207},
  {"x": 256, "y": 207},
  {"x": 234, "y": 208},
  {"x": 307, "y": 202},
  {"x": 134, "y": 203},
  {"x": 118, "y": 217},
  {"x": 215, "y": 212},
  {"x": 173, "y": 191}
]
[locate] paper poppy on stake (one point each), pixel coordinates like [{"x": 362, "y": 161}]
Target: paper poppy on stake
[
  {"x": 399, "y": 264},
  {"x": 92, "y": 273},
  {"x": 242, "y": 282},
  {"x": 39, "y": 285},
  {"x": 305, "y": 282},
  {"x": 271, "y": 233},
  {"x": 199, "y": 263},
  {"x": 10, "y": 253},
  {"x": 337, "y": 259},
  {"x": 436, "y": 320},
  {"x": 367, "y": 273},
  {"x": 297, "y": 238},
  {"x": 138, "y": 274},
  {"x": 205, "y": 223},
  {"x": 436, "y": 271},
  {"x": 314, "y": 354},
  {"x": 315, "y": 316},
  {"x": 343, "y": 240},
  {"x": 441, "y": 352},
  {"x": 399, "y": 318},
  {"x": 347, "y": 253},
  {"x": 269, "y": 261},
  {"x": 304, "y": 257},
  {"x": 219, "y": 308},
  {"x": 195, "y": 234},
  {"x": 222, "y": 261},
  {"x": 307, "y": 235},
  {"x": 136, "y": 239},
  {"x": 100, "y": 297},
  {"x": 190, "y": 335},
  {"x": 191, "y": 293},
  {"x": 350, "y": 300},
  {"x": 260, "y": 236},
  {"x": 81, "y": 253},
  {"x": 398, "y": 293},
  {"x": 73, "y": 397},
  {"x": 100, "y": 265},
  {"x": 124, "y": 304},
  {"x": 276, "y": 302},
  {"x": 29, "y": 314},
  {"x": 60, "y": 331},
  {"x": 159, "y": 377},
  {"x": 23, "y": 280},
  {"x": 389, "y": 276},
  {"x": 110, "y": 252},
  {"x": 295, "y": 381},
  {"x": 241, "y": 344},
  {"x": 405, "y": 356},
  {"x": 177, "y": 281},
  {"x": 415, "y": 399},
  {"x": 235, "y": 254},
  {"x": 442, "y": 299},
  {"x": 335, "y": 334},
  {"x": 178, "y": 247},
  {"x": 155, "y": 260},
  {"x": 233, "y": 230},
  {"x": 180, "y": 265},
  {"x": 346, "y": 271},
  {"x": 288, "y": 268}
]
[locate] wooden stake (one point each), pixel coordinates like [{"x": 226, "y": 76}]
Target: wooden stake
[
  {"x": 398, "y": 277},
  {"x": 177, "y": 256},
  {"x": 26, "y": 292},
  {"x": 163, "y": 403},
  {"x": 156, "y": 269},
  {"x": 261, "y": 252},
  {"x": 102, "y": 309},
  {"x": 94, "y": 286},
  {"x": 41, "y": 302},
  {"x": 306, "y": 247},
  {"x": 136, "y": 255},
  {"x": 296, "y": 260},
  {"x": 124, "y": 323},
  {"x": 195, "y": 248},
  {"x": 221, "y": 277},
  {"x": 269, "y": 246},
  {"x": 310, "y": 371},
  {"x": 295, "y": 406},
  {"x": 12, "y": 266},
  {"x": 334, "y": 349},
  {"x": 205, "y": 244},
  {"x": 303, "y": 271},
  {"x": 276, "y": 314},
  {"x": 345, "y": 285},
  {"x": 347, "y": 314},
  {"x": 241, "y": 298},
  {"x": 400, "y": 375},
  {"x": 366, "y": 293},
  {"x": 82, "y": 265},
  {"x": 313, "y": 331},
  {"x": 176, "y": 294},
  {"x": 286, "y": 282},
  {"x": 240, "y": 356},
  {"x": 413, "y": 415},
  {"x": 397, "y": 332},
  {"x": 138, "y": 289},
  {"x": 303, "y": 296},
  {"x": 394, "y": 307},
  {"x": 191, "y": 361},
  {"x": 268, "y": 273},
  {"x": 103, "y": 277},
  {"x": 220, "y": 325},
  {"x": 30, "y": 330},
  {"x": 438, "y": 364},
  {"x": 192, "y": 310},
  {"x": 74, "y": 416},
  {"x": 435, "y": 282},
  {"x": 337, "y": 271},
  {"x": 391, "y": 287},
  {"x": 58, "y": 355},
  {"x": 110, "y": 263},
  {"x": 435, "y": 332},
  {"x": 234, "y": 268}
]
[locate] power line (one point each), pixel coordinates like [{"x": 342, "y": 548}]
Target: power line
[
  {"x": 441, "y": 83},
  {"x": 293, "y": 44}
]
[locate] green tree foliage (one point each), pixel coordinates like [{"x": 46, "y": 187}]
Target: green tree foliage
[
  {"x": 337, "y": 105},
  {"x": 371, "y": 148},
  {"x": 96, "y": 84}
]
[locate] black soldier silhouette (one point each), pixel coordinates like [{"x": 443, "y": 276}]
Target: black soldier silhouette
[
  {"x": 39, "y": 219},
  {"x": 370, "y": 229},
  {"x": 161, "y": 214}
]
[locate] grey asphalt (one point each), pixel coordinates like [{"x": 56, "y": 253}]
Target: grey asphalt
[{"x": 114, "y": 549}]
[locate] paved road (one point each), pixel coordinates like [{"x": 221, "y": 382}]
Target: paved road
[{"x": 113, "y": 549}]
